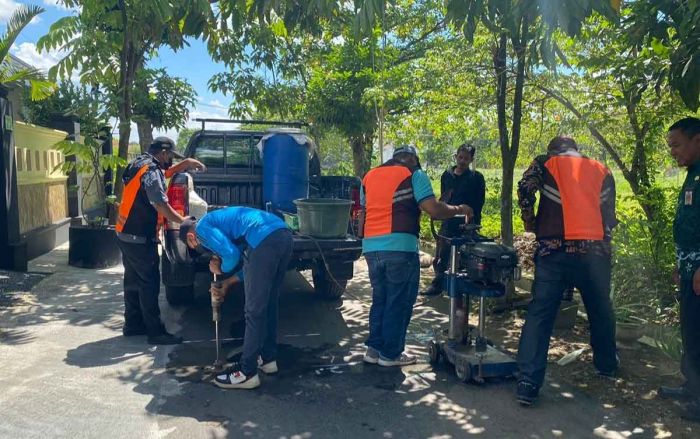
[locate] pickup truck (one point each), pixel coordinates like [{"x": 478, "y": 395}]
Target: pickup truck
[{"x": 234, "y": 177}]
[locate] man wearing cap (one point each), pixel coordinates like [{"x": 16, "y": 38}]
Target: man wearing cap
[
  {"x": 143, "y": 200},
  {"x": 260, "y": 243},
  {"x": 393, "y": 196},
  {"x": 458, "y": 185},
  {"x": 683, "y": 139},
  {"x": 573, "y": 226}
]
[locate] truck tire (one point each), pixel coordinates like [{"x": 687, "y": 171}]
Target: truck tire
[
  {"x": 327, "y": 287},
  {"x": 178, "y": 281},
  {"x": 178, "y": 296}
]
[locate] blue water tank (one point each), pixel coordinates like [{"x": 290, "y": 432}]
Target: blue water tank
[{"x": 285, "y": 171}]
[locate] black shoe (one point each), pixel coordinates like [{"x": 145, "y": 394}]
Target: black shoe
[
  {"x": 164, "y": 338},
  {"x": 526, "y": 393},
  {"x": 680, "y": 393},
  {"x": 131, "y": 331},
  {"x": 432, "y": 291},
  {"x": 691, "y": 411}
]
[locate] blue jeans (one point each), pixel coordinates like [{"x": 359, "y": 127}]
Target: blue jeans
[
  {"x": 554, "y": 273},
  {"x": 394, "y": 278}
]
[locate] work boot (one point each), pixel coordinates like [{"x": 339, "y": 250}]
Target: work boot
[
  {"x": 237, "y": 380},
  {"x": 371, "y": 356},
  {"x": 691, "y": 411},
  {"x": 527, "y": 393},
  {"x": 403, "y": 360},
  {"x": 269, "y": 367},
  {"x": 164, "y": 339},
  {"x": 680, "y": 393}
]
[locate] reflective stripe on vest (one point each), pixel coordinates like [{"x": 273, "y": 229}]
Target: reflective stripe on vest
[
  {"x": 390, "y": 205},
  {"x": 579, "y": 182},
  {"x": 131, "y": 189}
]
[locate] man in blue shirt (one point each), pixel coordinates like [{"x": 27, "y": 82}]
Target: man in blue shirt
[
  {"x": 393, "y": 196},
  {"x": 261, "y": 243}
]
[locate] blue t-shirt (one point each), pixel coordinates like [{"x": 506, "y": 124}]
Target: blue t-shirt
[
  {"x": 400, "y": 242},
  {"x": 219, "y": 230}
]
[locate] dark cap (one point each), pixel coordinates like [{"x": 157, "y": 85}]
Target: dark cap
[
  {"x": 164, "y": 143},
  {"x": 187, "y": 225}
]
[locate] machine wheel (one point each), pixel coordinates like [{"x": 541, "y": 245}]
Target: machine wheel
[
  {"x": 179, "y": 295},
  {"x": 434, "y": 353},
  {"x": 327, "y": 287},
  {"x": 463, "y": 371}
]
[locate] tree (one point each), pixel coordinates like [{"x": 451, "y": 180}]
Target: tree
[
  {"x": 109, "y": 42},
  {"x": 162, "y": 102},
  {"x": 9, "y": 72},
  {"x": 522, "y": 40},
  {"x": 324, "y": 72},
  {"x": 671, "y": 28}
]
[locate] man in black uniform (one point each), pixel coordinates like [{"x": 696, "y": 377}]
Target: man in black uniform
[
  {"x": 684, "y": 140},
  {"x": 458, "y": 185},
  {"x": 143, "y": 200}
]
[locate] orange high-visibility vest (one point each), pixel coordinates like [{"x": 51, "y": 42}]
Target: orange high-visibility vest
[
  {"x": 136, "y": 214},
  {"x": 570, "y": 205},
  {"x": 390, "y": 205}
]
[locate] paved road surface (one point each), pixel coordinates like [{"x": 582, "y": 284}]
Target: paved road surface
[{"x": 67, "y": 372}]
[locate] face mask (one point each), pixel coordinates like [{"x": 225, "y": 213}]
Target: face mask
[
  {"x": 203, "y": 251},
  {"x": 166, "y": 164}
]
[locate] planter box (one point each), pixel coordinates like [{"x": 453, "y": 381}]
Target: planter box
[{"x": 93, "y": 247}]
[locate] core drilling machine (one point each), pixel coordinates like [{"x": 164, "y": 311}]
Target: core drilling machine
[{"x": 478, "y": 267}]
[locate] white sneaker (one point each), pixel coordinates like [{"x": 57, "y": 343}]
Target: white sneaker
[
  {"x": 371, "y": 356},
  {"x": 269, "y": 368},
  {"x": 403, "y": 360},
  {"x": 237, "y": 380}
]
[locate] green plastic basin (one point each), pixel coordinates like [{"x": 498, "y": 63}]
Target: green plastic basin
[{"x": 323, "y": 217}]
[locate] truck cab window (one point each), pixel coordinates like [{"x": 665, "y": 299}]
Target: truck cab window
[{"x": 210, "y": 151}]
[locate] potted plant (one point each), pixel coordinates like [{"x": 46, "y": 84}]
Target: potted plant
[{"x": 93, "y": 242}]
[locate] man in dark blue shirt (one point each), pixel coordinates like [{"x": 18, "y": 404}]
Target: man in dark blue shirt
[{"x": 458, "y": 185}]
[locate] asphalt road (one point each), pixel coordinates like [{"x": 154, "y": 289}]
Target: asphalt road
[{"x": 66, "y": 371}]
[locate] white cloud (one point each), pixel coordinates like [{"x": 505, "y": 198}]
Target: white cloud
[
  {"x": 28, "y": 53},
  {"x": 56, "y": 4},
  {"x": 7, "y": 7}
]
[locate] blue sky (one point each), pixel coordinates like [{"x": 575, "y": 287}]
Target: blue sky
[{"x": 192, "y": 63}]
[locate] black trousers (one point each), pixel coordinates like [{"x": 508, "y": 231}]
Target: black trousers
[
  {"x": 264, "y": 271},
  {"x": 554, "y": 274},
  {"x": 441, "y": 261},
  {"x": 690, "y": 334},
  {"x": 141, "y": 287}
]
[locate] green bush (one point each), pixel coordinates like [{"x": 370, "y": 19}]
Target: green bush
[{"x": 643, "y": 256}]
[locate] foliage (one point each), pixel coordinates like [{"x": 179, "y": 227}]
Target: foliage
[
  {"x": 109, "y": 42},
  {"x": 643, "y": 260},
  {"x": 10, "y": 72},
  {"x": 70, "y": 100},
  {"x": 165, "y": 105},
  {"x": 323, "y": 72},
  {"x": 87, "y": 108},
  {"x": 183, "y": 137},
  {"x": 670, "y": 28}
]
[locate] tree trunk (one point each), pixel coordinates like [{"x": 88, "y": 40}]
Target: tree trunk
[
  {"x": 361, "y": 154},
  {"x": 499, "y": 64},
  {"x": 145, "y": 134}
]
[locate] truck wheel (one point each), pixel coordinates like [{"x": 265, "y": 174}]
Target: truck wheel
[
  {"x": 179, "y": 295},
  {"x": 327, "y": 287}
]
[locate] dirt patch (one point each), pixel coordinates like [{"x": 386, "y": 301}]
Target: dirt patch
[
  {"x": 642, "y": 370},
  {"x": 14, "y": 285}
]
